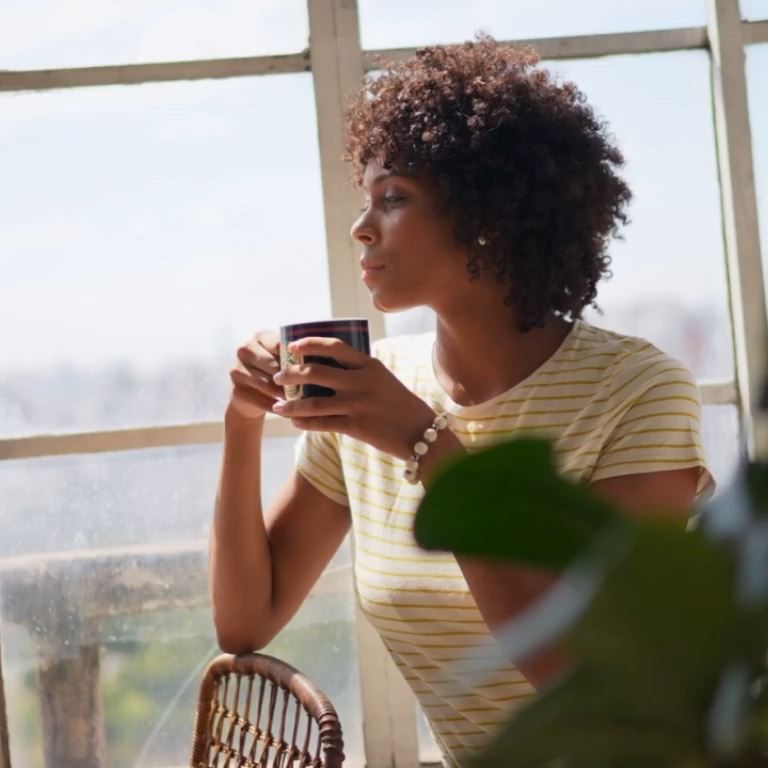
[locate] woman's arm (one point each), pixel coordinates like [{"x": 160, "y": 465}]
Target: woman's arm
[{"x": 263, "y": 563}]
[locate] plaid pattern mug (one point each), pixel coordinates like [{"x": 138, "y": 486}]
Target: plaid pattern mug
[{"x": 352, "y": 331}]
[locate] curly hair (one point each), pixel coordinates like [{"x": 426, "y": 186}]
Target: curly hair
[{"x": 521, "y": 163}]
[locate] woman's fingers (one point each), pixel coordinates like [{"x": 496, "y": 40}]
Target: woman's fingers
[
  {"x": 255, "y": 379},
  {"x": 270, "y": 340},
  {"x": 312, "y": 408},
  {"x": 312, "y": 373},
  {"x": 258, "y": 357},
  {"x": 254, "y": 391},
  {"x": 342, "y": 353}
]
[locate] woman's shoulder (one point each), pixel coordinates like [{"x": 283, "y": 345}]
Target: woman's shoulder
[{"x": 631, "y": 364}]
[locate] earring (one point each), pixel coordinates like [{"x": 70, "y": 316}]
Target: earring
[{"x": 482, "y": 241}]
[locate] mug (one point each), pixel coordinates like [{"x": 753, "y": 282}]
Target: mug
[{"x": 353, "y": 331}]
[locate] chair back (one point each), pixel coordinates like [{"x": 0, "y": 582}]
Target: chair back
[{"x": 256, "y": 710}]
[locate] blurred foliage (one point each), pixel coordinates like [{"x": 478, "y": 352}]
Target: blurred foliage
[{"x": 668, "y": 649}]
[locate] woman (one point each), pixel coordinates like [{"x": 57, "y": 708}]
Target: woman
[{"x": 490, "y": 194}]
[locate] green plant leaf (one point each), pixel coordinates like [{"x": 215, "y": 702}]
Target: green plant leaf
[
  {"x": 757, "y": 483},
  {"x": 588, "y": 720},
  {"x": 649, "y": 650},
  {"x": 669, "y": 600},
  {"x": 509, "y": 502}
]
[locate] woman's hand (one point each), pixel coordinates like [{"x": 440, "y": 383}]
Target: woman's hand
[
  {"x": 253, "y": 391},
  {"x": 371, "y": 404}
]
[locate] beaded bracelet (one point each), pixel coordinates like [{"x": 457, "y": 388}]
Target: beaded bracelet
[{"x": 422, "y": 446}]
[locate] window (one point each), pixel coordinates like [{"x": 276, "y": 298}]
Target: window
[{"x": 138, "y": 225}]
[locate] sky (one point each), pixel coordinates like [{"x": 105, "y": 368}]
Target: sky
[{"x": 143, "y": 224}]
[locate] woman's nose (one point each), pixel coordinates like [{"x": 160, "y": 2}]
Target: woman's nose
[{"x": 362, "y": 231}]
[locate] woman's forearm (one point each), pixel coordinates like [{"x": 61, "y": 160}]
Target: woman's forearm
[{"x": 240, "y": 561}]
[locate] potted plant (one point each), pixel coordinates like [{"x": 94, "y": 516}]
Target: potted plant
[{"x": 666, "y": 626}]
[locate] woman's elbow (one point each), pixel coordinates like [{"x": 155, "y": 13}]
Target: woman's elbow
[{"x": 239, "y": 642}]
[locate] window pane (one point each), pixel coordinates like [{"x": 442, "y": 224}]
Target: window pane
[
  {"x": 720, "y": 433},
  {"x": 147, "y": 231},
  {"x": 668, "y": 281},
  {"x": 401, "y": 23},
  {"x": 83, "y": 33},
  {"x": 105, "y": 568},
  {"x": 757, "y": 74},
  {"x": 121, "y": 499},
  {"x": 754, "y": 10}
]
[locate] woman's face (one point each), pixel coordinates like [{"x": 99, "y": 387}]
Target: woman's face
[{"x": 409, "y": 257}]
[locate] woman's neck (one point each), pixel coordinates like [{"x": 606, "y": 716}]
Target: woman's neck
[{"x": 477, "y": 357}]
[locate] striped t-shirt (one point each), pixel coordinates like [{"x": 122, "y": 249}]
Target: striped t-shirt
[{"x": 613, "y": 405}]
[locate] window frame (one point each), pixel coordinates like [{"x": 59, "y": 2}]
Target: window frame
[{"x": 337, "y": 64}]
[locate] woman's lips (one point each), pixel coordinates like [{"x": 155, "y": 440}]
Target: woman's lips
[{"x": 370, "y": 269}]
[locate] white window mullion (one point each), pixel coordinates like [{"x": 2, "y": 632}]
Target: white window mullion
[
  {"x": 5, "y": 744},
  {"x": 337, "y": 70},
  {"x": 586, "y": 46},
  {"x": 132, "y": 74},
  {"x": 389, "y": 721},
  {"x": 754, "y": 32},
  {"x": 746, "y": 285},
  {"x": 130, "y": 439}
]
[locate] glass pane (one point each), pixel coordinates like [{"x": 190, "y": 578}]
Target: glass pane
[
  {"x": 401, "y": 23},
  {"x": 104, "y": 585},
  {"x": 720, "y": 434},
  {"x": 754, "y": 10},
  {"x": 83, "y": 33},
  {"x": 757, "y": 75},
  {"x": 668, "y": 281},
  {"x": 147, "y": 231},
  {"x": 122, "y": 499}
]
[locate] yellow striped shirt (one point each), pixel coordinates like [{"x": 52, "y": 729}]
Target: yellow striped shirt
[{"x": 613, "y": 405}]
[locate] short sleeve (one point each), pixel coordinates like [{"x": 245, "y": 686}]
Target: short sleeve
[
  {"x": 659, "y": 423},
  {"x": 317, "y": 459}
]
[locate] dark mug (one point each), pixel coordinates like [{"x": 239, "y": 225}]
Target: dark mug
[{"x": 352, "y": 331}]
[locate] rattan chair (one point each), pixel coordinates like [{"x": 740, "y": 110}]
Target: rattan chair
[{"x": 255, "y": 710}]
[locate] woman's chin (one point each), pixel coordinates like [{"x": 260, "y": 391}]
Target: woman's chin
[{"x": 389, "y": 304}]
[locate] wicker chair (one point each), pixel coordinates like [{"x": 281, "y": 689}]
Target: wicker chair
[{"x": 255, "y": 710}]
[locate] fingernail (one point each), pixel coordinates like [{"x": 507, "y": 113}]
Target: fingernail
[
  {"x": 278, "y": 377},
  {"x": 278, "y": 406}
]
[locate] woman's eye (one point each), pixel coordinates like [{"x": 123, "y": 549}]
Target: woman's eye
[{"x": 386, "y": 199}]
